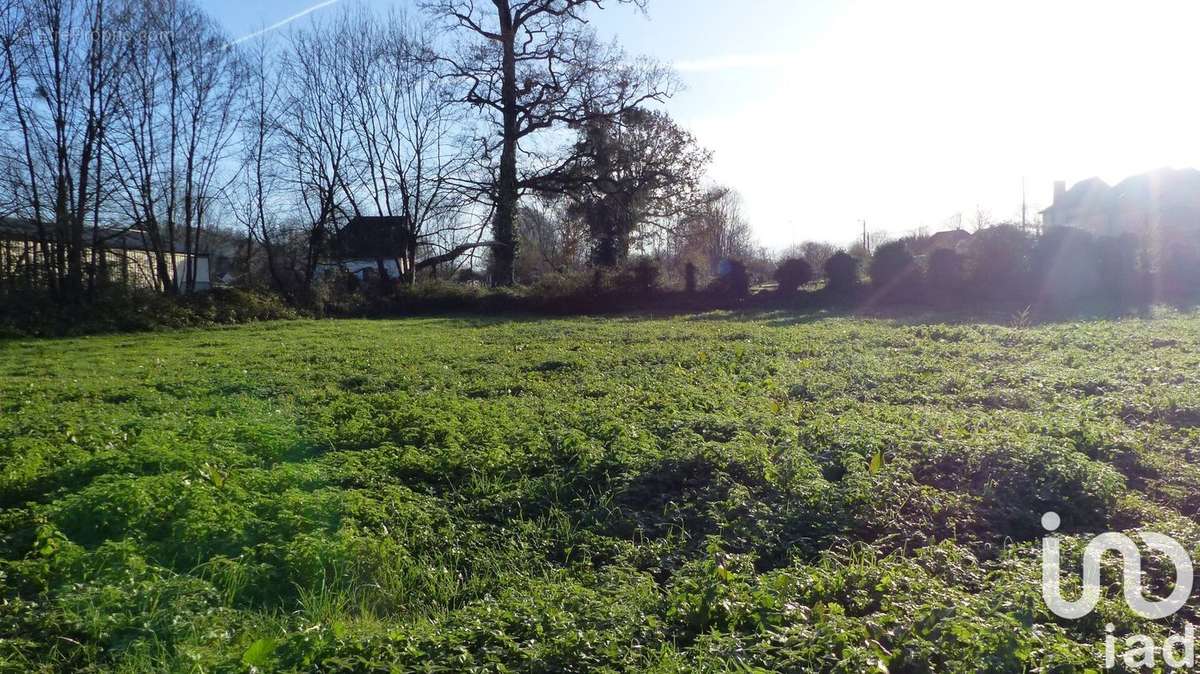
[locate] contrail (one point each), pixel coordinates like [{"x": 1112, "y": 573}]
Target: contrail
[{"x": 283, "y": 23}]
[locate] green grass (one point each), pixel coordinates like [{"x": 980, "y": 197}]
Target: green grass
[{"x": 714, "y": 492}]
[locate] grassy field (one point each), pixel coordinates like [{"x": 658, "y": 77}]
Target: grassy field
[{"x": 711, "y": 492}]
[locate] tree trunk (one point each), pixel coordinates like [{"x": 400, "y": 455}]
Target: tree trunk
[
  {"x": 161, "y": 270},
  {"x": 504, "y": 220},
  {"x": 410, "y": 263},
  {"x": 272, "y": 269}
]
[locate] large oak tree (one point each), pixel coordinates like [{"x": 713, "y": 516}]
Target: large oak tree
[{"x": 534, "y": 67}]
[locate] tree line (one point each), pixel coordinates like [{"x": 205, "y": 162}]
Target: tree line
[
  {"x": 1060, "y": 269},
  {"x": 502, "y": 132}
]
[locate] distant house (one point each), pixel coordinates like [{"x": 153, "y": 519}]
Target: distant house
[
  {"x": 367, "y": 246},
  {"x": 123, "y": 256},
  {"x": 950, "y": 240},
  {"x": 1162, "y": 201},
  {"x": 954, "y": 239}
]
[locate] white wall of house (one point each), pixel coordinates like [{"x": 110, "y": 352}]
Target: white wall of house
[
  {"x": 203, "y": 279},
  {"x": 361, "y": 268},
  {"x": 132, "y": 267},
  {"x": 136, "y": 267}
]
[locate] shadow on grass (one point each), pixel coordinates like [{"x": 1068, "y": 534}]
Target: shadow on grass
[
  {"x": 1010, "y": 315},
  {"x": 802, "y": 308},
  {"x": 783, "y": 317}
]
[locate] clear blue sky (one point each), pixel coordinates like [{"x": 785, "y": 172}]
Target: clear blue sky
[{"x": 822, "y": 113}]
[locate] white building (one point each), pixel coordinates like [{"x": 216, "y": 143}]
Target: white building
[{"x": 122, "y": 256}]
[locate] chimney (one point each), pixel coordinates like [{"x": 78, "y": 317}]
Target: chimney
[{"x": 1060, "y": 188}]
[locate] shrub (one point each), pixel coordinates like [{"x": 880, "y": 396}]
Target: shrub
[
  {"x": 1065, "y": 266},
  {"x": 793, "y": 273},
  {"x": 425, "y": 295},
  {"x": 563, "y": 285},
  {"x": 1119, "y": 280},
  {"x": 894, "y": 271},
  {"x": 734, "y": 281},
  {"x": 944, "y": 277},
  {"x": 645, "y": 273},
  {"x": 841, "y": 271},
  {"x": 636, "y": 278},
  {"x": 998, "y": 263},
  {"x": 1181, "y": 273},
  {"x": 122, "y": 310}
]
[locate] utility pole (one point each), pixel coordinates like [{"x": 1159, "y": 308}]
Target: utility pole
[{"x": 1024, "y": 223}]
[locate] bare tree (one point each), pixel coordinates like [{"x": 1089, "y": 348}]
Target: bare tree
[
  {"x": 532, "y": 66},
  {"x": 13, "y": 24},
  {"x": 17, "y": 267},
  {"x": 405, "y": 147},
  {"x": 136, "y": 142},
  {"x": 317, "y": 126},
  {"x": 254, "y": 201},
  {"x": 552, "y": 236},
  {"x": 214, "y": 80},
  {"x": 171, "y": 139},
  {"x": 982, "y": 218},
  {"x": 817, "y": 253},
  {"x": 61, "y": 71},
  {"x": 716, "y": 232}
]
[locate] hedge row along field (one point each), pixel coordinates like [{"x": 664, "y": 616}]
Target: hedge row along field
[{"x": 759, "y": 492}]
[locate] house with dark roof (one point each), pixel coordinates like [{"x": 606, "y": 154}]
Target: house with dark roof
[
  {"x": 370, "y": 245},
  {"x": 1162, "y": 201},
  {"x": 952, "y": 239}
]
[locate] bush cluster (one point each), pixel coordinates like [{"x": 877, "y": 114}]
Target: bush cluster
[
  {"x": 733, "y": 283},
  {"x": 1064, "y": 268},
  {"x": 894, "y": 272},
  {"x": 841, "y": 272},
  {"x": 792, "y": 274},
  {"x": 35, "y": 313}
]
